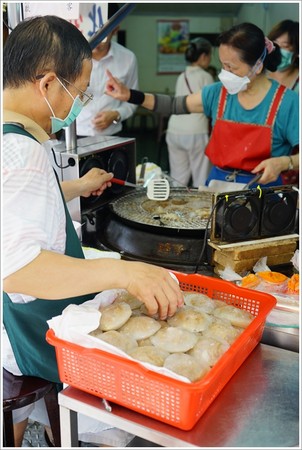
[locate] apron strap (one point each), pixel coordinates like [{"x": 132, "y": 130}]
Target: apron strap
[
  {"x": 222, "y": 102},
  {"x": 271, "y": 115},
  {"x": 17, "y": 129},
  {"x": 73, "y": 245}
]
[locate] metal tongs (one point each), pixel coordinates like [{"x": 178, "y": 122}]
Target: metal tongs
[{"x": 252, "y": 181}]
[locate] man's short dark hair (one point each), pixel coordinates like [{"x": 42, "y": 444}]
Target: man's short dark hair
[{"x": 40, "y": 44}]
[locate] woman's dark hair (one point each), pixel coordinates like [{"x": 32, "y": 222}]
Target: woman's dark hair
[
  {"x": 197, "y": 47},
  {"x": 292, "y": 29},
  {"x": 249, "y": 40},
  {"x": 43, "y": 43}
]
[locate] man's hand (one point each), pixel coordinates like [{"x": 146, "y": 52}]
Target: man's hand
[
  {"x": 104, "y": 119},
  {"x": 155, "y": 287},
  {"x": 95, "y": 182}
]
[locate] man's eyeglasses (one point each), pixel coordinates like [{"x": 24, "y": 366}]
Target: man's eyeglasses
[{"x": 84, "y": 97}]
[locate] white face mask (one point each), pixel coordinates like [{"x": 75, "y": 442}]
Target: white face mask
[{"x": 233, "y": 83}]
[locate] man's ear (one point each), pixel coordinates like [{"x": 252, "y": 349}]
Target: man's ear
[{"x": 46, "y": 82}]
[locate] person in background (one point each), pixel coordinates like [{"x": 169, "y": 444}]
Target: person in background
[
  {"x": 213, "y": 71},
  {"x": 286, "y": 35},
  {"x": 188, "y": 135},
  {"x": 104, "y": 116},
  {"x": 255, "y": 119},
  {"x": 44, "y": 269}
]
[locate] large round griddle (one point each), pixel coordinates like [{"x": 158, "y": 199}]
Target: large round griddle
[{"x": 185, "y": 212}]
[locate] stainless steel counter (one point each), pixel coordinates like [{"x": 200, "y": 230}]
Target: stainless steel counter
[
  {"x": 286, "y": 338},
  {"x": 259, "y": 407}
]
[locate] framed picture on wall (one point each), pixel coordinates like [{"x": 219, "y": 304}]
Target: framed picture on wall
[{"x": 172, "y": 41}]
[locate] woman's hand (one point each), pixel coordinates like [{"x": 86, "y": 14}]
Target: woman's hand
[
  {"x": 271, "y": 168},
  {"x": 116, "y": 89}
]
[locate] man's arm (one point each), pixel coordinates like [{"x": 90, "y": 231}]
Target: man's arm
[{"x": 93, "y": 182}]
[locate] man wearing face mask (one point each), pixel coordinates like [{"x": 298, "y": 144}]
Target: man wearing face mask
[
  {"x": 46, "y": 71},
  {"x": 105, "y": 116},
  {"x": 255, "y": 120}
]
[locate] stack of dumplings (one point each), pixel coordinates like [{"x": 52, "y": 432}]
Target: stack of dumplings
[{"x": 189, "y": 344}]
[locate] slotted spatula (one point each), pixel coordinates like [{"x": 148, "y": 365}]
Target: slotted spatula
[{"x": 158, "y": 189}]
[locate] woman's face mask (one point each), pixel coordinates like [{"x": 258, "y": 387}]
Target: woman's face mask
[
  {"x": 56, "y": 123},
  {"x": 286, "y": 59},
  {"x": 233, "y": 83}
]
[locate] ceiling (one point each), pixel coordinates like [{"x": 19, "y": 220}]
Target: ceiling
[{"x": 183, "y": 8}]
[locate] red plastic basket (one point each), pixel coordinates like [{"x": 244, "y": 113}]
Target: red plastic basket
[{"x": 175, "y": 402}]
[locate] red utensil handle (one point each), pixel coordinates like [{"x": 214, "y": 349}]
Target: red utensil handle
[
  {"x": 117, "y": 181},
  {"x": 122, "y": 182}
]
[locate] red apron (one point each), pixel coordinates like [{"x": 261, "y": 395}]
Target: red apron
[{"x": 238, "y": 145}]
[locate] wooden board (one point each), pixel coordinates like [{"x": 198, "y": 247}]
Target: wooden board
[
  {"x": 248, "y": 264},
  {"x": 243, "y": 256},
  {"x": 275, "y": 239},
  {"x": 256, "y": 250}
]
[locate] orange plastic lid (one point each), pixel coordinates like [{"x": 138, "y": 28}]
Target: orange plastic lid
[
  {"x": 272, "y": 277},
  {"x": 294, "y": 284},
  {"x": 250, "y": 281}
]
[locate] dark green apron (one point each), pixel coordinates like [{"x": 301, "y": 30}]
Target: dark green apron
[{"x": 26, "y": 323}]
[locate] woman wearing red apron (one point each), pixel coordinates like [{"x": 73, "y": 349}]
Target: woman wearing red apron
[
  {"x": 255, "y": 121},
  {"x": 236, "y": 148}
]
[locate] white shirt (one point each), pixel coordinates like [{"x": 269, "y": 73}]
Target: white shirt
[
  {"x": 33, "y": 212},
  {"x": 190, "y": 123},
  {"x": 122, "y": 64}
]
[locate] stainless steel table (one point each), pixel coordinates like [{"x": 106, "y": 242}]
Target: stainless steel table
[
  {"x": 259, "y": 407},
  {"x": 286, "y": 338}
]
